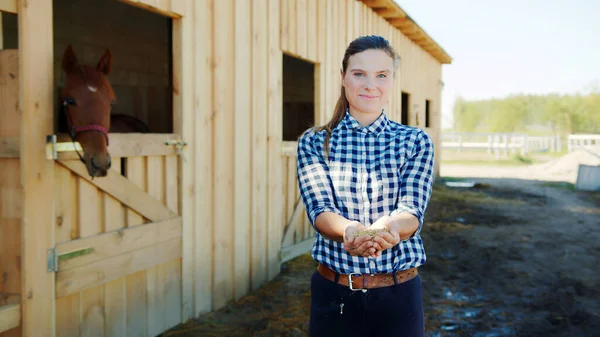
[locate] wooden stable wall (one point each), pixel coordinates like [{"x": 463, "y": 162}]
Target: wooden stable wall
[
  {"x": 10, "y": 197},
  {"x": 319, "y": 32},
  {"x": 236, "y": 191}
]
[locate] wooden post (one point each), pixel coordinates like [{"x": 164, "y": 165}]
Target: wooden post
[
  {"x": 36, "y": 71},
  {"x": 1, "y": 33}
]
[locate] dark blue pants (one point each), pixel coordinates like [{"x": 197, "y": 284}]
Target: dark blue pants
[{"x": 393, "y": 311}]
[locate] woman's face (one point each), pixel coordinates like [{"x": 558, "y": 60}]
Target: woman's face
[{"x": 368, "y": 80}]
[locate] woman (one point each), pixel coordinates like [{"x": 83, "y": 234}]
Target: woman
[{"x": 358, "y": 171}]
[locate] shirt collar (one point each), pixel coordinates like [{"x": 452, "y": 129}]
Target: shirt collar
[{"x": 376, "y": 127}]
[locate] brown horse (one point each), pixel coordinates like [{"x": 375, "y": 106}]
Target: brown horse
[{"x": 87, "y": 99}]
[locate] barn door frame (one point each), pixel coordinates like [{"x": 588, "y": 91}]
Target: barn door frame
[{"x": 37, "y": 166}]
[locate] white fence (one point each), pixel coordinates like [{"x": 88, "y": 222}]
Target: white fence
[
  {"x": 583, "y": 141},
  {"x": 500, "y": 143}
]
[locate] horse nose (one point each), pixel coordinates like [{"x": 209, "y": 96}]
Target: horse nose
[
  {"x": 93, "y": 160},
  {"x": 109, "y": 163}
]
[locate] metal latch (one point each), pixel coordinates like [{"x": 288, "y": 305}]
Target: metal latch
[
  {"x": 179, "y": 144},
  {"x": 53, "y": 147}
]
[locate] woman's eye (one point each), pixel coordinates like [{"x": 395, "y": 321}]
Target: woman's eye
[
  {"x": 357, "y": 74},
  {"x": 382, "y": 75}
]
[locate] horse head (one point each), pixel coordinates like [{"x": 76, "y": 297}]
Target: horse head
[{"x": 87, "y": 98}]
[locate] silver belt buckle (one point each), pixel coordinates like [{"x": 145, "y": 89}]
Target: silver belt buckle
[{"x": 350, "y": 283}]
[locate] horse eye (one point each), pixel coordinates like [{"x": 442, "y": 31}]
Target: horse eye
[{"x": 70, "y": 101}]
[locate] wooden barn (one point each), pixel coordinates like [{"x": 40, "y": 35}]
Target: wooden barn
[{"x": 202, "y": 209}]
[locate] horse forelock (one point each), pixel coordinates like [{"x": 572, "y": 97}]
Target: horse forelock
[{"x": 91, "y": 80}]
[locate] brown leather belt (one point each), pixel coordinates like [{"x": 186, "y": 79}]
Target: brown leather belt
[{"x": 367, "y": 281}]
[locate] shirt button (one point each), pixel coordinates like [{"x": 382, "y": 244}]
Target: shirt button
[{"x": 372, "y": 265}]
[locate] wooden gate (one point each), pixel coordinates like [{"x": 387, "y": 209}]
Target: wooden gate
[
  {"x": 117, "y": 258},
  {"x": 298, "y": 234},
  {"x": 118, "y": 254}
]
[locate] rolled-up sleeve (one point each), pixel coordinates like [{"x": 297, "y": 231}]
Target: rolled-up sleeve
[
  {"x": 313, "y": 178},
  {"x": 417, "y": 180}
]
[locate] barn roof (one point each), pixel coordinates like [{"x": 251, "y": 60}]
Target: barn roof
[{"x": 397, "y": 17}]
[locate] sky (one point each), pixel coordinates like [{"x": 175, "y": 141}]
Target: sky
[{"x": 512, "y": 46}]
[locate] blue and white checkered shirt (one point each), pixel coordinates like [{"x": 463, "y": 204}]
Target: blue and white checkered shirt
[{"x": 382, "y": 169}]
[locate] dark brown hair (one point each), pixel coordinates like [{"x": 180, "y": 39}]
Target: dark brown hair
[{"x": 358, "y": 45}]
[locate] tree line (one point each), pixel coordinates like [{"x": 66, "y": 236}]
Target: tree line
[{"x": 551, "y": 114}]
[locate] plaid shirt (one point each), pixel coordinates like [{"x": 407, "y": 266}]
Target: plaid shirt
[{"x": 382, "y": 169}]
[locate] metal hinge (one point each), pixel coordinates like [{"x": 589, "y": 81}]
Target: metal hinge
[{"x": 52, "y": 260}]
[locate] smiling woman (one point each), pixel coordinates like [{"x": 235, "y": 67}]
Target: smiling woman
[{"x": 362, "y": 170}]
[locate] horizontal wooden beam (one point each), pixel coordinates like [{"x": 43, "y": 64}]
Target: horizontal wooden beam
[
  {"x": 293, "y": 251},
  {"x": 9, "y": 147},
  {"x": 9, "y": 6},
  {"x": 389, "y": 12},
  {"x": 76, "y": 253},
  {"x": 170, "y": 8},
  {"x": 289, "y": 149},
  {"x": 129, "y": 145},
  {"x": 124, "y": 191},
  {"x": 113, "y": 268},
  {"x": 10, "y": 313},
  {"x": 120, "y": 145},
  {"x": 377, "y": 3}
]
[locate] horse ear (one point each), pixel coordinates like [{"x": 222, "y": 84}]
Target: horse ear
[
  {"x": 105, "y": 63},
  {"x": 69, "y": 60}
]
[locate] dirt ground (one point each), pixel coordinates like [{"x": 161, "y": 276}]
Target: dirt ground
[{"x": 507, "y": 257}]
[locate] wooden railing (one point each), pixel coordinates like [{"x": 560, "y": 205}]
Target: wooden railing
[{"x": 500, "y": 143}]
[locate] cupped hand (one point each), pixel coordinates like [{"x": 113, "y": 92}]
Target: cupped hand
[
  {"x": 388, "y": 237},
  {"x": 360, "y": 246}
]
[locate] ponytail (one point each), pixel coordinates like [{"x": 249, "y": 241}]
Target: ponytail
[{"x": 338, "y": 114}]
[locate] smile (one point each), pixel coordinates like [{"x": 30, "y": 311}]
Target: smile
[{"x": 368, "y": 97}]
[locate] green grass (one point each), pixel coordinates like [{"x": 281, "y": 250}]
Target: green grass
[{"x": 560, "y": 184}]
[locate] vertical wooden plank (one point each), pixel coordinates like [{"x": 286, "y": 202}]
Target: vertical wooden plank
[
  {"x": 357, "y": 31},
  {"x": 259, "y": 135},
  {"x": 292, "y": 26},
  {"x": 11, "y": 194},
  {"x": 328, "y": 64},
  {"x": 68, "y": 322},
  {"x": 285, "y": 25},
  {"x": 183, "y": 124},
  {"x": 198, "y": 271},
  {"x": 136, "y": 309},
  {"x": 223, "y": 156},
  {"x": 92, "y": 312},
  {"x": 155, "y": 296},
  {"x": 115, "y": 291},
  {"x": 349, "y": 18},
  {"x": 36, "y": 80},
  {"x": 65, "y": 197},
  {"x": 301, "y": 28},
  {"x": 172, "y": 288},
  {"x": 136, "y": 304},
  {"x": 242, "y": 147},
  {"x": 90, "y": 219},
  {"x": 275, "y": 125},
  {"x": 320, "y": 69},
  {"x": 312, "y": 39}
]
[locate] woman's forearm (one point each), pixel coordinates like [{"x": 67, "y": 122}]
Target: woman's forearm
[
  {"x": 332, "y": 225},
  {"x": 405, "y": 223}
]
